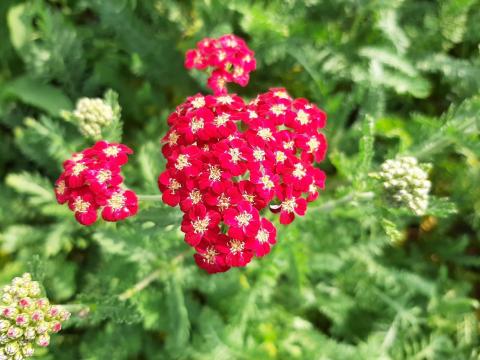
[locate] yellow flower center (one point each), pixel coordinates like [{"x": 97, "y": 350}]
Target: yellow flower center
[
  {"x": 225, "y": 100},
  {"x": 299, "y": 171},
  {"x": 244, "y": 218},
  {"x": 182, "y": 162},
  {"x": 80, "y": 205},
  {"x": 281, "y": 94},
  {"x": 173, "y": 138},
  {"x": 278, "y": 109},
  {"x": 78, "y": 168},
  {"x": 215, "y": 174},
  {"x": 235, "y": 154},
  {"x": 280, "y": 156},
  {"x": 222, "y": 55},
  {"x": 248, "y": 197},
  {"x": 303, "y": 118},
  {"x": 288, "y": 145},
  {"x": 209, "y": 256},
  {"x": 196, "y": 124},
  {"x": 195, "y": 195},
  {"x": 117, "y": 201},
  {"x": 61, "y": 187},
  {"x": 221, "y": 120},
  {"x": 174, "y": 185},
  {"x": 265, "y": 134},
  {"x": 267, "y": 182},
  {"x": 104, "y": 175},
  {"x": 289, "y": 205},
  {"x": 223, "y": 201},
  {"x": 236, "y": 246},
  {"x": 262, "y": 236},
  {"x": 259, "y": 154},
  {"x": 200, "y": 225},
  {"x": 252, "y": 114},
  {"x": 238, "y": 71},
  {"x": 198, "y": 102},
  {"x": 313, "y": 144},
  {"x": 111, "y": 150}
]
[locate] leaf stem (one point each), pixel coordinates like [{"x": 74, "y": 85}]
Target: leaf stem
[
  {"x": 150, "y": 197},
  {"x": 150, "y": 278},
  {"x": 354, "y": 196}
]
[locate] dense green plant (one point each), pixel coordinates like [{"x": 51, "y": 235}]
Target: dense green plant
[{"x": 353, "y": 279}]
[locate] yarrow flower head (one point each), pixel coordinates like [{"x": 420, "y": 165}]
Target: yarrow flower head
[
  {"x": 229, "y": 161},
  {"x": 91, "y": 180},
  {"x": 230, "y": 58},
  {"x": 405, "y": 182},
  {"x": 92, "y": 115},
  {"x": 26, "y": 319}
]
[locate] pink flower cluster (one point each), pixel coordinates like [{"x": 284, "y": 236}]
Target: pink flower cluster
[
  {"x": 230, "y": 58},
  {"x": 91, "y": 180},
  {"x": 228, "y": 160}
]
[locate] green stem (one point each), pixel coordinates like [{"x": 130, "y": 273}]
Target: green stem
[
  {"x": 150, "y": 278},
  {"x": 329, "y": 205},
  {"x": 150, "y": 197},
  {"x": 79, "y": 310}
]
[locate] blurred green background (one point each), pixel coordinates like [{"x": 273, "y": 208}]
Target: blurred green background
[{"x": 352, "y": 279}]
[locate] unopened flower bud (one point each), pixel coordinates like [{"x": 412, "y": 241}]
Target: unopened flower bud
[
  {"x": 93, "y": 114},
  {"x": 28, "y": 350},
  {"x": 30, "y": 333},
  {"x": 37, "y": 315},
  {"x": 11, "y": 348},
  {"x": 22, "y": 320},
  {"x": 14, "y": 332},
  {"x": 26, "y": 319},
  {"x": 42, "y": 328},
  {"x": 43, "y": 340},
  {"x": 7, "y": 298},
  {"x": 4, "y": 325},
  {"x": 405, "y": 182}
]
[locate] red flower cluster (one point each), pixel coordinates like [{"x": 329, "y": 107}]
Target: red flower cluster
[
  {"x": 91, "y": 179},
  {"x": 227, "y": 161},
  {"x": 230, "y": 58}
]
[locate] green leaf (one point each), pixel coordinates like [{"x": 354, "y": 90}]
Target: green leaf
[
  {"x": 179, "y": 322},
  {"x": 38, "y": 94},
  {"x": 17, "y": 24},
  {"x": 114, "y": 132},
  {"x": 441, "y": 207},
  {"x": 39, "y": 189}
]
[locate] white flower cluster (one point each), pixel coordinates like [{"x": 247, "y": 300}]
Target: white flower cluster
[
  {"x": 26, "y": 319},
  {"x": 93, "y": 114},
  {"x": 406, "y": 183}
]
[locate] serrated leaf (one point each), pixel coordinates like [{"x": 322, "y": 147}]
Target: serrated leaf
[
  {"x": 441, "y": 207},
  {"x": 179, "y": 331},
  {"x": 38, "y": 188}
]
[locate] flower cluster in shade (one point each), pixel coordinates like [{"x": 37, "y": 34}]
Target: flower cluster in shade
[
  {"x": 405, "y": 182},
  {"x": 91, "y": 181},
  {"x": 228, "y": 161},
  {"x": 92, "y": 115},
  {"x": 230, "y": 58},
  {"x": 26, "y": 319}
]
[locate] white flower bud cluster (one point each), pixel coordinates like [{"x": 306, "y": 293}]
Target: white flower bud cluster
[
  {"x": 406, "y": 183},
  {"x": 93, "y": 114},
  {"x": 26, "y": 319}
]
